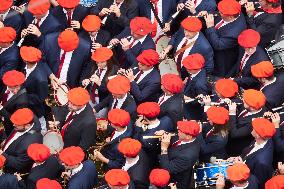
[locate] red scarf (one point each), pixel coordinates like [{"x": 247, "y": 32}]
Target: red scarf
[{"x": 276, "y": 10}]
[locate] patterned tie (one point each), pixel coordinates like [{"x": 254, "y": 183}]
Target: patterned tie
[
  {"x": 138, "y": 76},
  {"x": 5, "y": 97},
  {"x": 179, "y": 59},
  {"x": 95, "y": 86},
  {"x": 115, "y": 104},
  {"x": 219, "y": 24},
  {"x": 243, "y": 61},
  {"x": 66, "y": 124},
  {"x": 61, "y": 64},
  {"x": 37, "y": 22},
  {"x": 161, "y": 100},
  {"x": 69, "y": 17}
]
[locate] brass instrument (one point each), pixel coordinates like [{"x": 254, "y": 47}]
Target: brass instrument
[{"x": 157, "y": 136}]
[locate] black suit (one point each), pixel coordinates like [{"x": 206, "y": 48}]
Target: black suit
[
  {"x": 14, "y": 20},
  {"x": 103, "y": 37},
  {"x": 9, "y": 181}
]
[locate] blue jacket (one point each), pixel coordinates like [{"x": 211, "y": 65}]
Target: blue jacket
[
  {"x": 205, "y": 5},
  {"x": 14, "y": 20}
]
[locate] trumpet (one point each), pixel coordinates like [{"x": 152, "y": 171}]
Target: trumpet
[{"x": 157, "y": 136}]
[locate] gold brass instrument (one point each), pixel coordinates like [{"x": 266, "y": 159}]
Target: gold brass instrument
[{"x": 157, "y": 136}]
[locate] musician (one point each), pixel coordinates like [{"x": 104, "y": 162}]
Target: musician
[
  {"x": 264, "y": 73},
  {"x": 14, "y": 96},
  {"x": 222, "y": 34},
  {"x": 159, "y": 178},
  {"x": 9, "y": 52},
  {"x": 137, "y": 162},
  {"x": 120, "y": 128},
  {"x": 180, "y": 154},
  {"x": 67, "y": 57},
  {"x": 275, "y": 182},
  {"x": 47, "y": 183},
  {"x": 278, "y": 137},
  {"x": 266, "y": 21},
  {"x": 116, "y": 13},
  {"x": 240, "y": 124},
  {"x": 171, "y": 101},
  {"x": 80, "y": 174},
  {"x": 118, "y": 178},
  {"x": 189, "y": 40},
  {"x": 76, "y": 121},
  {"x": 145, "y": 79},
  {"x": 119, "y": 86},
  {"x": 195, "y": 84},
  {"x": 26, "y": 131}
]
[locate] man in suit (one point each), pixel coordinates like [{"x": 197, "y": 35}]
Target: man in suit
[
  {"x": 117, "y": 178},
  {"x": 116, "y": 14},
  {"x": 198, "y": 7},
  {"x": 145, "y": 80},
  {"x": 179, "y": 155},
  {"x": 159, "y": 178},
  {"x": 222, "y": 34},
  {"x": 9, "y": 52},
  {"x": 67, "y": 57},
  {"x": 81, "y": 174},
  {"x": 76, "y": 121},
  {"x": 12, "y": 98},
  {"x": 14, "y": 149}
]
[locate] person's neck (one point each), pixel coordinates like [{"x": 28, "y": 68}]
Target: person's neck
[
  {"x": 152, "y": 122},
  {"x": 259, "y": 141},
  {"x": 131, "y": 160},
  {"x": 30, "y": 66}
]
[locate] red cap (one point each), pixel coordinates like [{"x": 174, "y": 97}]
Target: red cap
[
  {"x": 129, "y": 147},
  {"x": 238, "y": 172},
  {"x": 249, "y": 38},
  {"x": 119, "y": 85},
  {"x": 159, "y": 177},
  {"x": 78, "y": 96},
  {"x": 189, "y": 127},
  {"x": 148, "y": 57},
  {"x": 262, "y": 69},
  {"x": 229, "y": 7},
  {"x": 30, "y": 54},
  {"x": 141, "y": 25},
  {"x": 38, "y": 152},
  {"x": 68, "y": 4},
  {"x": 254, "y": 98},
  {"x": 38, "y": 7},
  {"x": 172, "y": 83},
  {"x": 72, "y": 155},
  {"x": 102, "y": 54},
  {"x": 276, "y": 182},
  {"x": 68, "y": 40},
  {"x": 263, "y": 127},
  {"x": 22, "y": 117},
  {"x": 5, "y": 4},
  {"x": 149, "y": 109},
  {"x": 218, "y": 115},
  {"x": 117, "y": 177},
  {"x": 2, "y": 161},
  {"x": 13, "y": 78},
  {"x": 91, "y": 23},
  {"x": 227, "y": 87},
  {"x": 192, "y": 24},
  {"x": 46, "y": 183},
  {"x": 8, "y": 34},
  {"x": 119, "y": 117},
  {"x": 193, "y": 61}
]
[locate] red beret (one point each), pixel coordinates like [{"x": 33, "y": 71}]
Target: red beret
[
  {"x": 38, "y": 152},
  {"x": 8, "y": 34},
  {"x": 172, "y": 83},
  {"x": 149, "y": 109},
  {"x": 227, "y": 87},
  {"x": 78, "y": 96},
  {"x": 254, "y": 98},
  {"x": 148, "y": 57},
  {"x": 218, "y": 115},
  {"x": 68, "y": 4},
  {"x": 38, "y": 7},
  {"x": 141, "y": 25},
  {"x": 22, "y": 116},
  {"x": 262, "y": 69},
  {"x": 189, "y": 127},
  {"x": 129, "y": 147},
  {"x": 5, "y": 4},
  {"x": 159, "y": 177},
  {"x": 91, "y": 23},
  {"x": 118, "y": 85},
  {"x": 13, "y": 78},
  {"x": 238, "y": 172},
  {"x": 192, "y": 24},
  {"x": 2, "y": 161},
  {"x": 117, "y": 177},
  {"x": 229, "y": 7},
  {"x": 72, "y": 155},
  {"x": 263, "y": 127},
  {"x": 119, "y": 117},
  {"x": 46, "y": 183},
  {"x": 276, "y": 182},
  {"x": 30, "y": 54},
  {"x": 249, "y": 38},
  {"x": 193, "y": 61},
  {"x": 68, "y": 40},
  {"x": 102, "y": 54}
]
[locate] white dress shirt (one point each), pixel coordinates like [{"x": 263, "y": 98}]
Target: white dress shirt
[
  {"x": 65, "y": 12},
  {"x": 155, "y": 125},
  {"x": 240, "y": 187},
  {"x": 41, "y": 20},
  {"x": 5, "y": 15},
  {"x": 145, "y": 73},
  {"x": 267, "y": 84},
  {"x": 76, "y": 170},
  {"x": 163, "y": 99},
  {"x": 225, "y": 22},
  {"x": 4, "y": 49},
  {"x": 257, "y": 147},
  {"x": 66, "y": 64},
  {"x": 118, "y": 133},
  {"x": 128, "y": 164},
  {"x": 120, "y": 101},
  {"x": 29, "y": 70},
  {"x": 245, "y": 59},
  {"x": 141, "y": 40}
]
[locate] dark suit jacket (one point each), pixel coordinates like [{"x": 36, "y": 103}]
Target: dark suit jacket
[
  {"x": 81, "y": 131},
  {"x": 278, "y": 140},
  {"x": 205, "y": 5},
  {"x": 103, "y": 37},
  {"x": 9, "y": 181},
  {"x": 225, "y": 45},
  {"x": 14, "y": 20}
]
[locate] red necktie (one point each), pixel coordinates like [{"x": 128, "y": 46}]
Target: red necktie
[
  {"x": 37, "y": 23},
  {"x": 219, "y": 24},
  {"x": 112, "y": 134},
  {"x": 138, "y": 76},
  {"x": 61, "y": 64},
  {"x": 66, "y": 124},
  {"x": 161, "y": 100},
  {"x": 179, "y": 59},
  {"x": 175, "y": 144},
  {"x": 243, "y": 61},
  {"x": 115, "y": 104},
  {"x": 155, "y": 23},
  {"x": 69, "y": 13},
  {"x": 210, "y": 133},
  {"x": 5, "y": 97},
  {"x": 9, "y": 138},
  {"x": 95, "y": 86},
  {"x": 243, "y": 113}
]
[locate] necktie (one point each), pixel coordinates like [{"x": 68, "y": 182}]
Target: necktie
[
  {"x": 95, "y": 86},
  {"x": 219, "y": 24},
  {"x": 179, "y": 59},
  {"x": 61, "y": 64},
  {"x": 131, "y": 44},
  {"x": 161, "y": 100},
  {"x": 37, "y": 22},
  {"x": 138, "y": 76},
  {"x": 210, "y": 133},
  {"x": 112, "y": 134},
  {"x": 9, "y": 138},
  {"x": 243, "y": 61},
  {"x": 115, "y": 104},
  {"x": 66, "y": 124},
  {"x": 69, "y": 17},
  {"x": 155, "y": 23},
  {"x": 1, "y": 18},
  {"x": 243, "y": 113},
  {"x": 175, "y": 144},
  {"x": 5, "y": 97}
]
